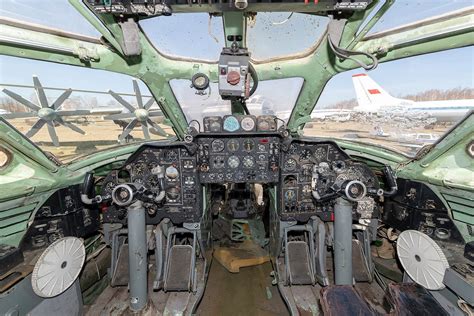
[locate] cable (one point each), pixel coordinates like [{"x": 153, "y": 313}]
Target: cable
[
  {"x": 253, "y": 74},
  {"x": 346, "y": 54}
]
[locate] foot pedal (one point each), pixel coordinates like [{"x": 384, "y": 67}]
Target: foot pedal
[
  {"x": 179, "y": 269},
  {"x": 298, "y": 263},
  {"x": 120, "y": 273},
  {"x": 359, "y": 264}
]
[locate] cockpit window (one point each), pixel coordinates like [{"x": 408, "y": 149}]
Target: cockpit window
[
  {"x": 385, "y": 107},
  {"x": 59, "y": 14},
  {"x": 173, "y": 35},
  {"x": 298, "y": 31},
  {"x": 408, "y": 11},
  {"x": 272, "y": 97},
  {"x": 87, "y": 120}
]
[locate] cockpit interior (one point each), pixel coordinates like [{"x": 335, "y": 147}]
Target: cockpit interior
[{"x": 233, "y": 209}]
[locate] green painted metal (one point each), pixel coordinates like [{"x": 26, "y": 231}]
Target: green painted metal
[
  {"x": 235, "y": 23},
  {"x": 446, "y": 168}
]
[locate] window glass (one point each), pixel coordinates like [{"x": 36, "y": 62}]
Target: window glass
[
  {"x": 403, "y": 104},
  {"x": 89, "y": 108},
  {"x": 59, "y": 14},
  {"x": 298, "y": 31},
  {"x": 188, "y": 35},
  {"x": 272, "y": 97},
  {"x": 409, "y": 11}
]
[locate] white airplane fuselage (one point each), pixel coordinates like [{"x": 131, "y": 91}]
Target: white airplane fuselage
[{"x": 372, "y": 98}]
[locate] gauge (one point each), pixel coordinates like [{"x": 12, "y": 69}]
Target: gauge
[
  {"x": 338, "y": 165},
  {"x": 171, "y": 172},
  {"x": 320, "y": 153},
  {"x": 248, "y": 162},
  {"x": 307, "y": 189},
  {"x": 249, "y": 145},
  {"x": 261, "y": 148},
  {"x": 262, "y": 157},
  {"x": 217, "y": 145},
  {"x": 233, "y": 162},
  {"x": 305, "y": 154},
  {"x": 233, "y": 145},
  {"x": 247, "y": 124},
  {"x": 139, "y": 169},
  {"x": 200, "y": 81},
  {"x": 172, "y": 193},
  {"x": 212, "y": 124},
  {"x": 293, "y": 148},
  {"x": 231, "y": 124},
  {"x": 154, "y": 182},
  {"x": 290, "y": 195},
  {"x": 290, "y": 164},
  {"x": 266, "y": 123},
  {"x": 108, "y": 188}
]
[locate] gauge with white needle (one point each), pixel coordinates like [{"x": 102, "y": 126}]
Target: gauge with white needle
[
  {"x": 247, "y": 124},
  {"x": 58, "y": 267}
]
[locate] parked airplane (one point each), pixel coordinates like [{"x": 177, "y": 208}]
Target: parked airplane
[{"x": 373, "y": 98}]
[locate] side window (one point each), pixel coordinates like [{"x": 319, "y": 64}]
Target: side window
[
  {"x": 75, "y": 115},
  {"x": 404, "y": 104},
  {"x": 64, "y": 16}
]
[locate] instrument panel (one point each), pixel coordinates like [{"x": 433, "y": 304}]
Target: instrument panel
[
  {"x": 238, "y": 158},
  {"x": 167, "y": 177},
  {"x": 313, "y": 174}
]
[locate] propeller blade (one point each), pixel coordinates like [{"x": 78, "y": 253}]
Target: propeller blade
[
  {"x": 60, "y": 100},
  {"x": 149, "y": 104},
  {"x": 157, "y": 128},
  {"x": 35, "y": 128},
  {"x": 18, "y": 115},
  {"x": 52, "y": 134},
  {"x": 40, "y": 93},
  {"x": 73, "y": 113},
  {"x": 70, "y": 125},
  {"x": 22, "y": 100},
  {"x": 145, "y": 131},
  {"x": 119, "y": 99},
  {"x": 155, "y": 114},
  {"x": 138, "y": 94},
  {"x": 119, "y": 116},
  {"x": 128, "y": 129}
]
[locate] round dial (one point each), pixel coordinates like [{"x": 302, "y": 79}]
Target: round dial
[
  {"x": 249, "y": 145},
  {"x": 247, "y": 124},
  {"x": 108, "y": 187},
  {"x": 248, "y": 162},
  {"x": 139, "y": 169},
  {"x": 215, "y": 126},
  {"x": 171, "y": 172},
  {"x": 233, "y": 162},
  {"x": 233, "y": 145},
  {"x": 217, "y": 145},
  {"x": 320, "y": 153},
  {"x": 305, "y": 154},
  {"x": 171, "y": 155},
  {"x": 231, "y": 124},
  {"x": 263, "y": 125},
  {"x": 290, "y": 164},
  {"x": 154, "y": 182},
  {"x": 172, "y": 193}
]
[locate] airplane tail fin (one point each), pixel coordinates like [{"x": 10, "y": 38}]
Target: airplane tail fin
[{"x": 370, "y": 96}]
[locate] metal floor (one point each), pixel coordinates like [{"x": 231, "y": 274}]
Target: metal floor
[{"x": 249, "y": 292}]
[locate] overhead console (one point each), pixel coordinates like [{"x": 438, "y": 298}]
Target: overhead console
[{"x": 152, "y": 8}]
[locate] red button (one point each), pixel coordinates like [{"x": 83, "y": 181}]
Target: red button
[{"x": 233, "y": 78}]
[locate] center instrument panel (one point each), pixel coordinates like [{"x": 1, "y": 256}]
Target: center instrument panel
[{"x": 168, "y": 177}]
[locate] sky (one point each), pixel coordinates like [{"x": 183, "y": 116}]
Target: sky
[{"x": 269, "y": 37}]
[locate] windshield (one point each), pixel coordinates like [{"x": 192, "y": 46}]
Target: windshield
[
  {"x": 404, "y": 104},
  {"x": 88, "y": 119},
  {"x": 272, "y": 97}
]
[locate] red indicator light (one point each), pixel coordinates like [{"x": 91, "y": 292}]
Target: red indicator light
[
  {"x": 264, "y": 141},
  {"x": 332, "y": 217}
]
